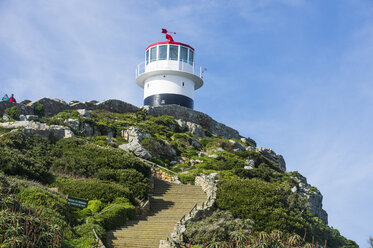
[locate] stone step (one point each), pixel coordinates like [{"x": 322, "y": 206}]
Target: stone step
[{"x": 168, "y": 204}]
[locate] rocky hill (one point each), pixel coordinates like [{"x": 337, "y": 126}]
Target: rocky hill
[{"x": 109, "y": 152}]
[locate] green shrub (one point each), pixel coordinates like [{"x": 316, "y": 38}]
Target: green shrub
[
  {"x": 25, "y": 156},
  {"x": 12, "y": 112},
  {"x": 271, "y": 206},
  {"x": 47, "y": 225},
  {"x": 39, "y": 109},
  {"x": 220, "y": 226},
  {"x": 25, "y": 102},
  {"x": 116, "y": 216},
  {"x": 95, "y": 206},
  {"x": 92, "y": 189},
  {"x": 187, "y": 178},
  {"x": 86, "y": 237},
  {"x": 77, "y": 157},
  {"x": 38, "y": 197},
  {"x": 130, "y": 178}
]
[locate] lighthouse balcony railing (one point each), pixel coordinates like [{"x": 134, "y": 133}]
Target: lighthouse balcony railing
[{"x": 176, "y": 66}]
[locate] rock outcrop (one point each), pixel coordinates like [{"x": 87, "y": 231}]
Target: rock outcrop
[
  {"x": 22, "y": 109},
  {"x": 134, "y": 137},
  {"x": 32, "y": 127},
  {"x": 272, "y": 156},
  {"x": 53, "y": 106},
  {"x": 313, "y": 197},
  {"x": 193, "y": 116}
]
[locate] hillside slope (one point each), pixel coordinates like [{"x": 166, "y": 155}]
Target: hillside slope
[{"x": 94, "y": 151}]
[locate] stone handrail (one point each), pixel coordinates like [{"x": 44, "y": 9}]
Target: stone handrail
[{"x": 99, "y": 243}]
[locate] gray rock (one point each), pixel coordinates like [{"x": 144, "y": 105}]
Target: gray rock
[
  {"x": 250, "y": 164},
  {"x": 133, "y": 134},
  {"x": 272, "y": 156},
  {"x": 250, "y": 148},
  {"x": 87, "y": 130},
  {"x": 74, "y": 124},
  {"x": 32, "y": 117},
  {"x": 84, "y": 112},
  {"x": 5, "y": 118},
  {"x": 32, "y": 127},
  {"x": 237, "y": 146},
  {"x": 194, "y": 128},
  {"x": 249, "y": 141},
  {"x": 22, "y": 118},
  {"x": 22, "y": 109},
  {"x": 202, "y": 154},
  {"x": 213, "y": 156},
  {"x": 53, "y": 106},
  {"x": 136, "y": 149},
  {"x": 186, "y": 114},
  {"x": 313, "y": 197}
]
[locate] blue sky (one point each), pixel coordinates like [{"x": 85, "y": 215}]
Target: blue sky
[{"x": 295, "y": 75}]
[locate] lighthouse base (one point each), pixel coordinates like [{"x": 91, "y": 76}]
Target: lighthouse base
[{"x": 166, "y": 99}]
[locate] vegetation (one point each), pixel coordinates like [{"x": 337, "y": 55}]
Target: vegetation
[
  {"x": 39, "y": 110},
  {"x": 220, "y": 226},
  {"x": 25, "y": 102},
  {"x": 253, "y": 202},
  {"x": 12, "y": 113}
]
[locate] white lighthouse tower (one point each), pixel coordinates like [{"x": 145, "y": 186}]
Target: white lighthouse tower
[{"x": 167, "y": 75}]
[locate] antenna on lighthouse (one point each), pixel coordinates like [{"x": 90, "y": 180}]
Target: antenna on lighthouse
[{"x": 168, "y": 37}]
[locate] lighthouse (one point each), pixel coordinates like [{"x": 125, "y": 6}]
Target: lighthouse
[{"x": 168, "y": 73}]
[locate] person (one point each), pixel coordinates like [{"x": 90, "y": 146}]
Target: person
[
  {"x": 12, "y": 99},
  {"x": 5, "y": 98}
]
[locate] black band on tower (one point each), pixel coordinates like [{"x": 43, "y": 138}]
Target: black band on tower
[{"x": 165, "y": 99}]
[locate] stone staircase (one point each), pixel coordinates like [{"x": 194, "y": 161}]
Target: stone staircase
[{"x": 168, "y": 204}]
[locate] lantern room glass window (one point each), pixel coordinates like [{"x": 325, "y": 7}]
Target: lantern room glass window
[
  {"x": 174, "y": 50},
  {"x": 153, "y": 54},
  {"x": 162, "y": 52},
  {"x": 184, "y": 54},
  {"x": 191, "y": 57},
  {"x": 147, "y": 56}
]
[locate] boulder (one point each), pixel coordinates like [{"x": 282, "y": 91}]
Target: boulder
[
  {"x": 136, "y": 149},
  {"x": 133, "y": 134},
  {"x": 52, "y": 106},
  {"x": 116, "y": 106},
  {"x": 194, "y": 128},
  {"x": 250, "y": 164},
  {"x": 84, "y": 112},
  {"x": 32, "y": 117},
  {"x": 272, "y": 156}
]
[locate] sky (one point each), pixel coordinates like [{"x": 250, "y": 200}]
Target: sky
[{"x": 294, "y": 75}]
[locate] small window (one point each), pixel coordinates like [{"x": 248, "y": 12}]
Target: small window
[
  {"x": 147, "y": 56},
  {"x": 173, "y": 52},
  {"x": 162, "y": 52},
  {"x": 191, "y": 56},
  {"x": 184, "y": 54},
  {"x": 153, "y": 54},
  {"x": 183, "y": 83}
]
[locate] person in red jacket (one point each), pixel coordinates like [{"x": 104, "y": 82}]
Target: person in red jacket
[{"x": 12, "y": 99}]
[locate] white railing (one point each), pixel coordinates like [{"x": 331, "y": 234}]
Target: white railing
[{"x": 173, "y": 65}]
